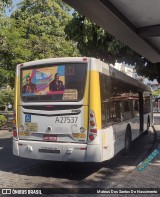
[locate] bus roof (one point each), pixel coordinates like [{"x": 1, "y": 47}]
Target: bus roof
[
  {"x": 98, "y": 65},
  {"x": 126, "y": 78},
  {"x": 57, "y": 60}
]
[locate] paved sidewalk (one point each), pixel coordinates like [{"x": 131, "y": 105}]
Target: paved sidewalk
[
  {"x": 4, "y": 133},
  {"x": 150, "y": 176}
]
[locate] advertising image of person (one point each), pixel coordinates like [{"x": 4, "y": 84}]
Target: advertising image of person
[
  {"x": 56, "y": 84},
  {"x": 29, "y": 87}
]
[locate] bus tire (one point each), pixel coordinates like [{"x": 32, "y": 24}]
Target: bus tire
[{"x": 128, "y": 140}]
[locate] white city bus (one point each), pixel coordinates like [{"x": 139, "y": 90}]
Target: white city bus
[{"x": 88, "y": 114}]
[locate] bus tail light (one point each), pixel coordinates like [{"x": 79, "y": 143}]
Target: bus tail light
[
  {"x": 91, "y": 137},
  {"x": 92, "y": 123},
  {"x": 93, "y": 131},
  {"x": 15, "y": 134},
  {"x": 92, "y": 126}
]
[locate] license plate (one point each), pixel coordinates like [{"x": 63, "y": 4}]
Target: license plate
[
  {"x": 49, "y": 137},
  {"x": 49, "y": 151}
]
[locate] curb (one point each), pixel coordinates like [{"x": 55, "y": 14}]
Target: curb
[{"x": 135, "y": 172}]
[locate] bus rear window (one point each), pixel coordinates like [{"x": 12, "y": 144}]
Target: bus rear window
[{"x": 61, "y": 82}]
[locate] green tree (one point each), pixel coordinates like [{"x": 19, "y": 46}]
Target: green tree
[
  {"x": 5, "y": 77},
  {"x": 42, "y": 26},
  {"x": 94, "y": 41},
  {"x": 3, "y": 5},
  {"x": 6, "y": 96},
  {"x": 156, "y": 93},
  {"x": 34, "y": 31},
  {"x": 11, "y": 50}
]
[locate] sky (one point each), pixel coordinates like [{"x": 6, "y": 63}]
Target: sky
[{"x": 8, "y": 13}]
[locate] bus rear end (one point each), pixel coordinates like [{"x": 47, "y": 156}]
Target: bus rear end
[{"x": 53, "y": 118}]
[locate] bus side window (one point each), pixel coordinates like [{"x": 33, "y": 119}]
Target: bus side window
[
  {"x": 119, "y": 101},
  {"x": 105, "y": 94},
  {"x": 136, "y": 108},
  {"x": 127, "y": 113},
  {"x": 147, "y": 108}
]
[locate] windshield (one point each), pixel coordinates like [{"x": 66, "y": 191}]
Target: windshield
[{"x": 60, "y": 82}]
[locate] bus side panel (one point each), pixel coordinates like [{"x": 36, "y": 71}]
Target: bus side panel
[
  {"x": 134, "y": 123},
  {"x": 119, "y": 131},
  {"x": 95, "y": 101},
  {"x": 17, "y": 101},
  {"x": 17, "y": 112},
  {"x": 108, "y": 143},
  {"x": 85, "y": 103},
  {"x": 94, "y": 153},
  {"x": 94, "y": 149}
]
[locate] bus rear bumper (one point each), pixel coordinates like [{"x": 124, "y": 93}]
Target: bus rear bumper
[{"x": 57, "y": 151}]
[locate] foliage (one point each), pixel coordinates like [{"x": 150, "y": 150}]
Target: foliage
[
  {"x": 3, "y": 5},
  {"x": 34, "y": 31},
  {"x": 156, "y": 93},
  {"x": 94, "y": 41},
  {"x": 42, "y": 26},
  {"x": 10, "y": 51},
  {"x": 3, "y": 77},
  {"x": 3, "y": 120},
  {"x": 6, "y": 96}
]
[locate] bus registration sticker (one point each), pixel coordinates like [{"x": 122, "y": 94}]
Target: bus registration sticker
[
  {"x": 79, "y": 135},
  {"x": 31, "y": 127},
  {"x": 24, "y": 133},
  {"x": 70, "y": 94}
]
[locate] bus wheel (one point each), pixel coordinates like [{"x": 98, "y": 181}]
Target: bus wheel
[{"x": 128, "y": 140}]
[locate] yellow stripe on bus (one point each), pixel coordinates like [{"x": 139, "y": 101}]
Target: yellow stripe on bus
[
  {"x": 17, "y": 101},
  {"x": 86, "y": 101},
  {"x": 95, "y": 100}
]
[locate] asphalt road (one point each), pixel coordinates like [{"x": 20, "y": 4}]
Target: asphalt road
[{"x": 9, "y": 162}]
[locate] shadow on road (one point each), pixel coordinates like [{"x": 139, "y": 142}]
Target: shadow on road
[
  {"x": 82, "y": 172},
  {"x": 141, "y": 147},
  {"x": 9, "y": 162}
]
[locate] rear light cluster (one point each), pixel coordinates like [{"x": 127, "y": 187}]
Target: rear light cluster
[
  {"x": 92, "y": 126},
  {"x": 14, "y": 126}
]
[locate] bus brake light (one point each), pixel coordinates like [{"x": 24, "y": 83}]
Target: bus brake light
[
  {"x": 85, "y": 59},
  {"x": 93, "y": 131},
  {"x": 92, "y": 126},
  {"x": 92, "y": 123},
  {"x": 91, "y": 137},
  {"x": 14, "y": 133},
  {"x": 91, "y": 115}
]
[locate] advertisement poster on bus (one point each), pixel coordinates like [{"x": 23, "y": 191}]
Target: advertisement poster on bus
[{"x": 43, "y": 81}]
